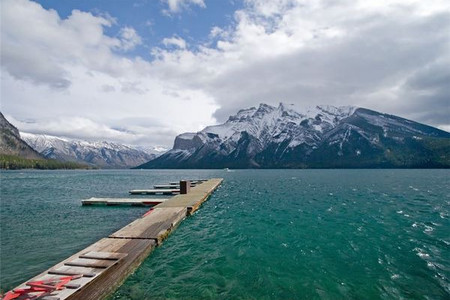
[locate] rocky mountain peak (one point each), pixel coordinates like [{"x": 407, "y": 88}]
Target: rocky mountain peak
[
  {"x": 318, "y": 136},
  {"x": 101, "y": 154},
  {"x": 6, "y": 126},
  {"x": 11, "y": 142}
]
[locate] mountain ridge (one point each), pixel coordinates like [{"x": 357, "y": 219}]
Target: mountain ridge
[
  {"x": 323, "y": 136},
  {"x": 11, "y": 142},
  {"x": 98, "y": 154}
]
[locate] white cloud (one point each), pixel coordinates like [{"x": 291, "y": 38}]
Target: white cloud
[
  {"x": 129, "y": 38},
  {"x": 311, "y": 52},
  {"x": 175, "y": 41},
  {"x": 67, "y": 69},
  {"x": 67, "y": 75},
  {"x": 38, "y": 46},
  {"x": 269, "y": 9},
  {"x": 216, "y": 32},
  {"x": 146, "y": 111},
  {"x": 176, "y": 6},
  {"x": 72, "y": 127}
]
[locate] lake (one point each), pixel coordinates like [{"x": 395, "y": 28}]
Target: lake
[{"x": 264, "y": 234}]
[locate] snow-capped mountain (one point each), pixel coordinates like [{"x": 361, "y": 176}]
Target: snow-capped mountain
[
  {"x": 98, "y": 154},
  {"x": 318, "y": 137}
]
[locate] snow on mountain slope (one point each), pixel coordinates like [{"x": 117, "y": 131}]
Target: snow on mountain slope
[
  {"x": 269, "y": 124},
  {"x": 99, "y": 154},
  {"x": 320, "y": 136}
]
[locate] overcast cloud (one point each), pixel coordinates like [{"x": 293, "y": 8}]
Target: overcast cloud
[{"x": 68, "y": 77}]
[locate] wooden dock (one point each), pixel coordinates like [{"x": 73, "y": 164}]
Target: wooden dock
[
  {"x": 155, "y": 192},
  {"x": 167, "y": 186},
  {"x": 192, "y": 181},
  {"x": 124, "y": 201},
  {"x": 103, "y": 266}
]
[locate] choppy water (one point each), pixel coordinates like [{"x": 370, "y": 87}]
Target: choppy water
[{"x": 264, "y": 234}]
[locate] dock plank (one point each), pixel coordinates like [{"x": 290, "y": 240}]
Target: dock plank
[
  {"x": 92, "y": 287},
  {"x": 196, "y": 196},
  {"x": 73, "y": 286},
  {"x": 71, "y": 271},
  {"x": 155, "y": 225},
  {"x": 107, "y": 282},
  {"x": 172, "y": 185},
  {"x": 155, "y": 192},
  {"x": 166, "y": 186},
  {"x": 124, "y": 201},
  {"x": 103, "y": 255},
  {"x": 194, "y": 181},
  {"x": 91, "y": 263}
]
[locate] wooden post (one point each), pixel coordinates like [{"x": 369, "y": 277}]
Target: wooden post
[{"x": 185, "y": 185}]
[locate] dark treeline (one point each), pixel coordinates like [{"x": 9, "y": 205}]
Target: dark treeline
[{"x": 12, "y": 162}]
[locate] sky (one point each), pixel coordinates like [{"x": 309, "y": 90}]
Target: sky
[{"x": 141, "y": 72}]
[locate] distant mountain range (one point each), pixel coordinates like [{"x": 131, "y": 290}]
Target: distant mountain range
[
  {"x": 45, "y": 151},
  {"x": 318, "y": 137},
  {"x": 97, "y": 154},
  {"x": 11, "y": 142}
]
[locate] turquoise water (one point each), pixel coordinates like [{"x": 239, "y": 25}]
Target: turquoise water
[{"x": 264, "y": 234}]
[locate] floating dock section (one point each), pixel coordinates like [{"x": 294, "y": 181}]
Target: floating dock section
[
  {"x": 100, "y": 268},
  {"x": 155, "y": 192},
  {"x": 124, "y": 201}
]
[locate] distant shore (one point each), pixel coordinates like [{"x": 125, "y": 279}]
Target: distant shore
[{"x": 13, "y": 162}]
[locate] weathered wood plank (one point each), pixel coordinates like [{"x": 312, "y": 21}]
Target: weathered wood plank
[
  {"x": 155, "y": 225},
  {"x": 71, "y": 273},
  {"x": 166, "y": 186},
  {"x": 60, "y": 294},
  {"x": 124, "y": 201},
  {"x": 196, "y": 196},
  {"x": 91, "y": 263},
  {"x": 155, "y": 192},
  {"x": 103, "y": 255},
  {"x": 194, "y": 181},
  {"x": 103, "y": 285}
]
